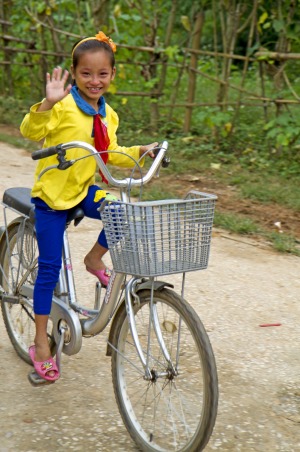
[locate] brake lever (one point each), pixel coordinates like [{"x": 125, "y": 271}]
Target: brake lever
[
  {"x": 62, "y": 165},
  {"x": 65, "y": 164}
]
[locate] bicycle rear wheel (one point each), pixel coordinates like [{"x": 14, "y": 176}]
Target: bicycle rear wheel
[
  {"x": 170, "y": 412},
  {"x": 18, "y": 258}
]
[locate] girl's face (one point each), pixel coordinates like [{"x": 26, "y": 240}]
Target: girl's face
[{"x": 93, "y": 75}]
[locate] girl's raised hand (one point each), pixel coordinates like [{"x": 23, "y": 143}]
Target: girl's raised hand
[
  {"x": 55, "y": 85},
  {"x": 55, "y": 88}
]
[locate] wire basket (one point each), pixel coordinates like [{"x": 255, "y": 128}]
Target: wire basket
[{"x": 160, "y": 237}]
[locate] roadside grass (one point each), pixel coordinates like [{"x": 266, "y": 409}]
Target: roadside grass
[
  {"x": 18, "y": 142},
  {"x": 268, "y": 188},
  {"x": 236, "y": 224},
  {"x": 240, "y": 225}
]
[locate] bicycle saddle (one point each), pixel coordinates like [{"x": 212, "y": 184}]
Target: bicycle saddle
[{"x": 19, "y": 198}]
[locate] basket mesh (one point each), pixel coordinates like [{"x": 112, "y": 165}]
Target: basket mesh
[{"x": 160, "y": 237}]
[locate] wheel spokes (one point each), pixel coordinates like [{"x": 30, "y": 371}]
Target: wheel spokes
[{"x": 162, "y": 406}]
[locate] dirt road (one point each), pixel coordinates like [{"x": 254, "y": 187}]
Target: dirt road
[{"x": 245, "y": 286}]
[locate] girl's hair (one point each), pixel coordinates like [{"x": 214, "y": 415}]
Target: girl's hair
[{"x": 92, "y": 45}]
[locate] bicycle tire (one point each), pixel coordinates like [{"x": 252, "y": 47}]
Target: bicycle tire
[
  {"x": 175, "y": 413},
  {"x": 18, "y": 316}
]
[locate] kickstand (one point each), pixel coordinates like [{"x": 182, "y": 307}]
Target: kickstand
[{"x": 34, "y": 378}]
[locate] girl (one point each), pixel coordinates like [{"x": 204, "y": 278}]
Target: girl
[{"x": 69, "y": 113}]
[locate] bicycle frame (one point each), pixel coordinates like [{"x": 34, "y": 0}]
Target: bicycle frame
[{"x": 98, "y": 319}]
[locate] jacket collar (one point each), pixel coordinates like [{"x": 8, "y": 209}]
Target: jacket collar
[{"x": 85, "y": 106}]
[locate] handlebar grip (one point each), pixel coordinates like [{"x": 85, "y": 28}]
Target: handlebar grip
[{"x": 46, "y": 152}]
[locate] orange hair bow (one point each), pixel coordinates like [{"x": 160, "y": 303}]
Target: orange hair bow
[{"x": 100, "y": 36}]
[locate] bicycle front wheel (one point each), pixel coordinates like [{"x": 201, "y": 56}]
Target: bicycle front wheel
[
  {"x": 18, "y": 259},
  {"x": 176, "y": 409}
]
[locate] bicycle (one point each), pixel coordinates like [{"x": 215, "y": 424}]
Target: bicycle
[{"x": 163, "y": 368}]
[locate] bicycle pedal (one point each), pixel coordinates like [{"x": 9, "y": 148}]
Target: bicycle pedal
[{"x": 36, "y": 380}]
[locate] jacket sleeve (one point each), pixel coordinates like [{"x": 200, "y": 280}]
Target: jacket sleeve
[
  {"x": 121, "y": 158},
  {"x": 37, "y": 125}
]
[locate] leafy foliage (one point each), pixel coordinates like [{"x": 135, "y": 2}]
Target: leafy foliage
[{"x": 257, "y": 137}]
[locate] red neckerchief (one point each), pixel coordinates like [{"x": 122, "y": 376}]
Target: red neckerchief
[{"x": 102, "y": 141}]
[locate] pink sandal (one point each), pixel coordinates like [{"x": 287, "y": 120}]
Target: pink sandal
[
  {"x": 102, "y": 275},
  {"x": 43, "y": 367}
]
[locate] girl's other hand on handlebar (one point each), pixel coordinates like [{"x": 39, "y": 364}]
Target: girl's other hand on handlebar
[
  {"x": 148, "y": 147},
  {"x": 55, "y": 88}
]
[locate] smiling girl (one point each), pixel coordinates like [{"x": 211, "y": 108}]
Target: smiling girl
[{"x": 69, "y": 113}]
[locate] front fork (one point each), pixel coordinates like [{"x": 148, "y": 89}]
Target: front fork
[{"x": 131, "y": 297}]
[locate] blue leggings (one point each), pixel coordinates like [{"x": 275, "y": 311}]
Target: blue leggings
[{"x": 50, "y": 226}]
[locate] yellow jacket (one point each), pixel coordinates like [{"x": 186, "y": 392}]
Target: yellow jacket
[{"x": 63, "y": 189}]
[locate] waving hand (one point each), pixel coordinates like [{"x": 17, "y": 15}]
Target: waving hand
[{"x": 55, "y": 88}]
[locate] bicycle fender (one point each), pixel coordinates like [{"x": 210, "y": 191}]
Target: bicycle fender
[
  {"x": 158, "y": 286},
  {"x": 2, "y": 230},
  {"x": 15, "y": 221}
]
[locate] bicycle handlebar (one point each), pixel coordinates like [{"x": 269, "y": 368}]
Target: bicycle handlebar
[{"x": 61, "y": 148}]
